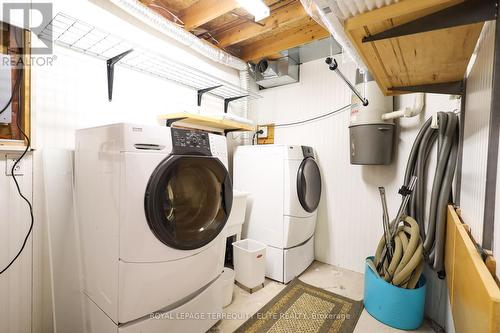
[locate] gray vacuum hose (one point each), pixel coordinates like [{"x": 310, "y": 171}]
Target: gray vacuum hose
[
  {"x": 406, "y": 265},
  {"x": 433, "y": 232}
]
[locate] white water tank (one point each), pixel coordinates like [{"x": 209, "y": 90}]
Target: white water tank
[{"x": 371, "y": 138}]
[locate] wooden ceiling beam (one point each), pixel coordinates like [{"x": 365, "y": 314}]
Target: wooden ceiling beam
[
  {"x": 205, "y": 11},
  {"x": 296, "y": 36},
  {"x": 283, "y": 16}
]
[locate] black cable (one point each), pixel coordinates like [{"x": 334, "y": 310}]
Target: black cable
[
  {"x": 9, "y": 102},
  {"x": 256, "y": 134},
  {"x": 28, "y": 145},
  {"x": 315, "y": 118}
]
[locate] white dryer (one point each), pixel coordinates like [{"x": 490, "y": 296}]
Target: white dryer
[
  {"x": 152, "y": 202},
  {"x": 284, "y": 183}
]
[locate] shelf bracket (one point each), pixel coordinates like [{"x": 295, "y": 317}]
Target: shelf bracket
[
  {"x": 111, "y": 70},
  {"x": 173, "y": 120},
  {"x": 230, "y": 99},
  {"x": 452, "y": 88},
  {"x": 227, "y": 131},
  {"x": 202, "y": 91},
  {"x": 467, "y": 12}
]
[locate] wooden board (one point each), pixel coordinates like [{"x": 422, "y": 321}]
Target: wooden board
[
  {"x": 304, "y": 31},
  {"x": 269, "y": 140},
  {"x": 474, "y": 294},
  {"x": 10, "y": 136},
  {"x": 205, "y": 121},
  {"x": 425, "y": 58}
]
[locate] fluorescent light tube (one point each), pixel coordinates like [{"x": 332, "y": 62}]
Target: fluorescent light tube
[{"x": 255, "y": 7}]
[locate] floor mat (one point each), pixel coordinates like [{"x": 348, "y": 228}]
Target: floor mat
[{"x": 303, "y": 308}]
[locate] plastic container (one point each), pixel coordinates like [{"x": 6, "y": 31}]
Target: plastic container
[
  {"x": 227, "y": 278},
  {"x": 249, "y": 262},
  {"x": 397, "y": 307},
  {"x": 236, "y": 218}
]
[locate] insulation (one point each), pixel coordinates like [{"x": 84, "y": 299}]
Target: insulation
[{"x": 350, "y": 8}]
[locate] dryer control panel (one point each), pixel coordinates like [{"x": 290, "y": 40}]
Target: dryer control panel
[{"x": 190, "y": 142}]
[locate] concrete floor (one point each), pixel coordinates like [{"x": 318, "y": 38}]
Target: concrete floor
[{"x": 340, "y": 281}]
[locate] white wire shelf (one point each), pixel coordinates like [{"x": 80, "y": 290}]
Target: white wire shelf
[{"x": 77, "y": 35}]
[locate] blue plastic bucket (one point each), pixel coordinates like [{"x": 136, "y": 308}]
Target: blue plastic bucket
[{"x": 397, "y": 307}]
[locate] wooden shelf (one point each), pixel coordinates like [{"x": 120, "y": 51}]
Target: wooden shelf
[
  {"x": 199, "y": 121},
  {"x": 433, "y": 57}
]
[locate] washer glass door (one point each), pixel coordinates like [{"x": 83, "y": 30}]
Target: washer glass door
[
  {"x": 309, "y": 184},
  {"x": 188, "y": 200}
]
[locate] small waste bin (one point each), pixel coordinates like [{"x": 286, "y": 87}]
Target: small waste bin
[
  {"x": 227, "y": 285},
  {"x": 249, "y": 262}
]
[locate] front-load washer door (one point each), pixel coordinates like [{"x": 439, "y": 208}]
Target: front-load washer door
[
  {"x": 188, "y": 200},
  {"x": 309, "y": 184}
]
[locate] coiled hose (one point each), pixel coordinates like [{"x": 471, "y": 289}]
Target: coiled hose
[
  {"x": 433, "y": 232},
  {"x": 407, "y": 263}
]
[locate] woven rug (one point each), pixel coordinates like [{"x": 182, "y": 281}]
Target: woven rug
[{"x": 303, "y": 308}]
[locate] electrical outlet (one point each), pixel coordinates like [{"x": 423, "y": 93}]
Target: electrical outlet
[
  {"x": 10, "y": 160},
  {"x": 264, "y": 132}
]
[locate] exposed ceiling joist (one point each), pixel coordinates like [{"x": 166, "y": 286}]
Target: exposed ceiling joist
[
  {"x": 205, "y": 11},
  {"x": 296, "y": 36},
  {"x": 281, "y": 17}
]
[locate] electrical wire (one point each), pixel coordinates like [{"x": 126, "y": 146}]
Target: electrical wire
[
  {"x": 256, "y": 134},
  {"x": 28, "y": 146},
  {"x": 315, "y": 118},
  {"x": 9, "y": 102}
]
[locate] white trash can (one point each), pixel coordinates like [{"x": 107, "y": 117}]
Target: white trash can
[
  {"x": 227, "y": 285},
  {"x": 249, "y": 262}
]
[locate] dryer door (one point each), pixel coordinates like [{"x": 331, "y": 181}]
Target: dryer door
[
  {"x": 188, "y": 200},
  {"x": 309, "y": 184}
]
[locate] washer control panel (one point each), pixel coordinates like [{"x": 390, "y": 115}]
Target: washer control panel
[{"x": 190, "y": 142}]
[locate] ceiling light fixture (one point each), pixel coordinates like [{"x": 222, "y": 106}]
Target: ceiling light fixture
[{"x": 257, "y": 8}]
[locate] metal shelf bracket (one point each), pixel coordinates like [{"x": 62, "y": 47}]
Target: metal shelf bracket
[
  {"x": 467, "y": 12},
  {"x": 111, "y": 70},
  {"x": 230, "y": 99},
  {"x": 170, "y": 122},
  {"x": 451, "y": 88},
  {"x": 202, "y": 91}
]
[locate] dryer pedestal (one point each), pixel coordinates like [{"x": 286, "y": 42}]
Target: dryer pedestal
[
  {"x": 197, "y": 314},
  {"x": 285, "y": 264}
]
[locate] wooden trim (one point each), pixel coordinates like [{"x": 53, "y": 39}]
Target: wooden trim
[
  {"x": 27, "y": 85},
  {"x": 205, "y": 11},
  {"x": 270, "y": 136},
  {"x": 473, "y": 292},
  {"x": 305, "y": 33},
  {"x": 25, "y": 108},
  {"x": 284, "y": 16}
]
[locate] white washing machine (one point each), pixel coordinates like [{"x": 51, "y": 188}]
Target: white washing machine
[
  {"x": 152, "y": 202},
  {"x": 284, "y": 183}
]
